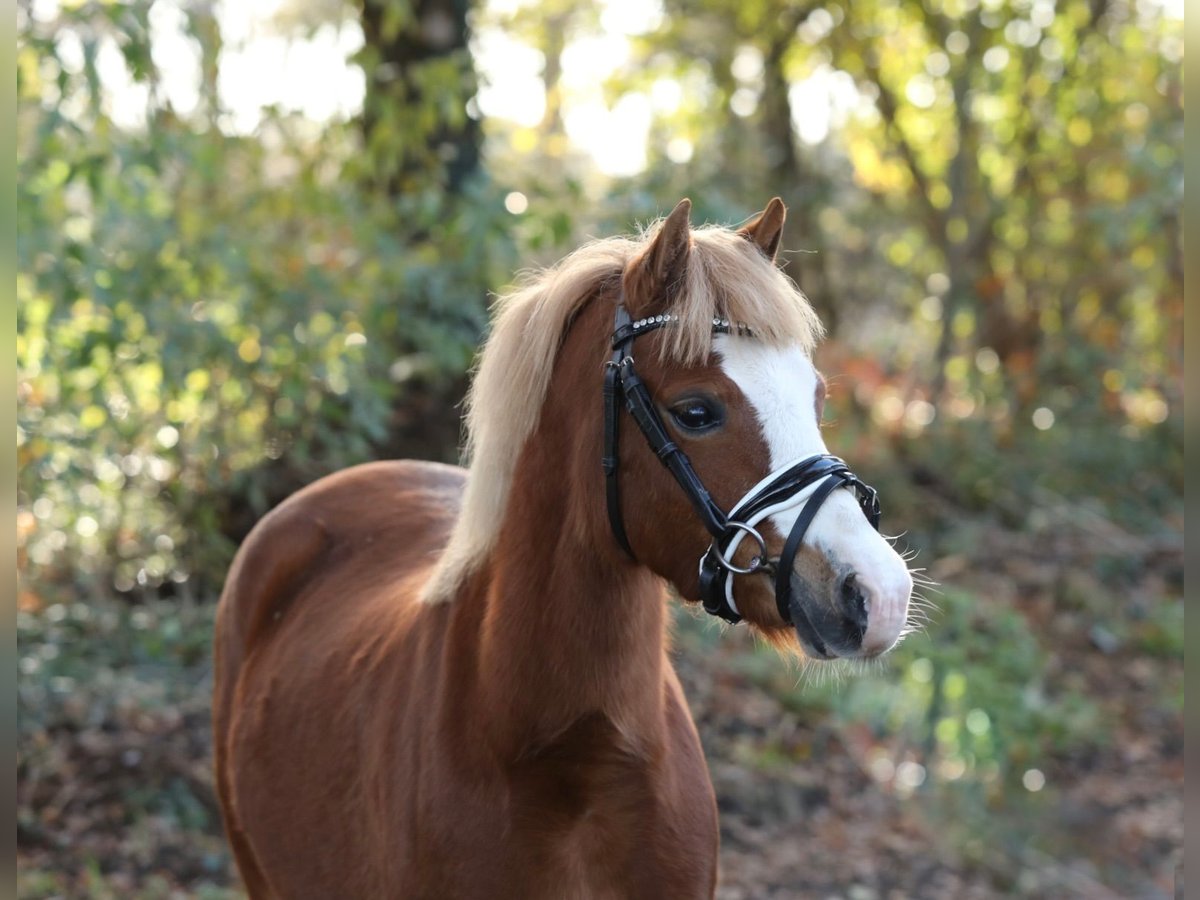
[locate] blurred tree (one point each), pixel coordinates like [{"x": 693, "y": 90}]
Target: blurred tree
[
  {"x": 206, "y": 320},
  {"x": 755, "y": 58},
  {"x": 1013, "y": 136},
  {"x": 1017, "y": 168},
  {"x": 420, "y": 79},
  {"x": 1007, "y": 176},
  {"x": 550, "y": 26}
]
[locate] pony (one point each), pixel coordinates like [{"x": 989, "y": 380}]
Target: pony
[{"x": 438, "y": 683}]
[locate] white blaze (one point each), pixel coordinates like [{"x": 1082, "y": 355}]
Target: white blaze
[{"x": 781, "y": 385}]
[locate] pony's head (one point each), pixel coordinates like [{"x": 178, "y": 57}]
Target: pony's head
[
  {"x": 742, "y": 407},
  {"x": 743, "y": 403}
]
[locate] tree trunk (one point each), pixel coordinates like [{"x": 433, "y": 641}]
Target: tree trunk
[
  {"x": 420, "y": 76},
  {"x": 789, "y": 176}
]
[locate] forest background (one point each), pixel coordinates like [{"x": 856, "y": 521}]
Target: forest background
[{"x": 257, "y": 242}]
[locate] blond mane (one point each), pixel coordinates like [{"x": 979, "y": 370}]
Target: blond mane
[{"x": 726, "y": 277}]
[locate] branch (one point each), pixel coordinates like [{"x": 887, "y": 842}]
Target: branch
[
  {"x": 888, "y": 108},
  {"x": 1027, "y": 136}
]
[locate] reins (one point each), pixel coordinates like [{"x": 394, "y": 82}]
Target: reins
[{"x": 808, "y": 483}]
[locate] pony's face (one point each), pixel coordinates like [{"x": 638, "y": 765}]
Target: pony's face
[{"x": 742, "y": 414}]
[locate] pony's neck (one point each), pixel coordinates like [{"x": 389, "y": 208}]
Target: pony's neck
[{"x": 570, "y": 628}]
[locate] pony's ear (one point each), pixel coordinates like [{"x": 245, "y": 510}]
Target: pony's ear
[
  {"x": 653, "y": 278},
  {"x": 765, "y": 230}
]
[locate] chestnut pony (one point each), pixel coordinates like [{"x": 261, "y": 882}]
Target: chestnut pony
[{"x": 438, "y": 683}]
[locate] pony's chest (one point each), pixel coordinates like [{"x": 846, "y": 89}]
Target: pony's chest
[
  {"x": 587, "y": 775},
  {"x": 591, "y": 818}
]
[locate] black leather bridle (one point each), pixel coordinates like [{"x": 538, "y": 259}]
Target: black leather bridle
[{"x": 817, "y": 476}]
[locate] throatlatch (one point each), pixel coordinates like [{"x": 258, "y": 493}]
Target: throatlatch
[{"x": 806, "y": 483}]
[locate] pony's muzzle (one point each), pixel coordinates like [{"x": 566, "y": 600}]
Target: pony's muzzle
[
  {"x": 855, "y": 618},
  {"x": 885, "y": 596},
  {"x": 830, "y": 618}
]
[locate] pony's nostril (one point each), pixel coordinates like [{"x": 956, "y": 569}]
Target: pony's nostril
[{"x": 853, "y": 601}]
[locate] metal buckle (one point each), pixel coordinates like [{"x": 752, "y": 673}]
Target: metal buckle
[{"x": 757, "y": 564}]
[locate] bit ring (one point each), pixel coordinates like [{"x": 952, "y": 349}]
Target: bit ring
[{"x": 757, "y": 563}]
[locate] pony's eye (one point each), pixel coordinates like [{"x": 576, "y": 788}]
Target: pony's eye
[{"x": 696, "y": 415}]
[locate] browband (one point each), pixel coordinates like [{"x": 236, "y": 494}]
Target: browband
[{"x": 778, "y": 491}]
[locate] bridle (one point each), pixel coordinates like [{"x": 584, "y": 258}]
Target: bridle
[{"x": 806, "y": 483}]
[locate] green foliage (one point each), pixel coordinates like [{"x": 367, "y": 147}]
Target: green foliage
[
  {"x": 1022, "y": 477},
  {"x": 196, "y": 306},
  {"x": 977, "y": 700},
  {"x": 969, "y": 702}
]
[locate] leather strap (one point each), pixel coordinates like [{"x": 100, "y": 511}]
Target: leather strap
[
  {"x": 787, "y": 558},
  {"x": 612, "y": 434},
  {"x": 621, "y": 382}
]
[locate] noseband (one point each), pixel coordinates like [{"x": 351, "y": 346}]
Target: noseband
[{"x": 806, "y": 483}]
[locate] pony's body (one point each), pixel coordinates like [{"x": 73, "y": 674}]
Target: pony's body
[
  {"x": 430, "y": 795},
  {"x": 414, "y": 701}
]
